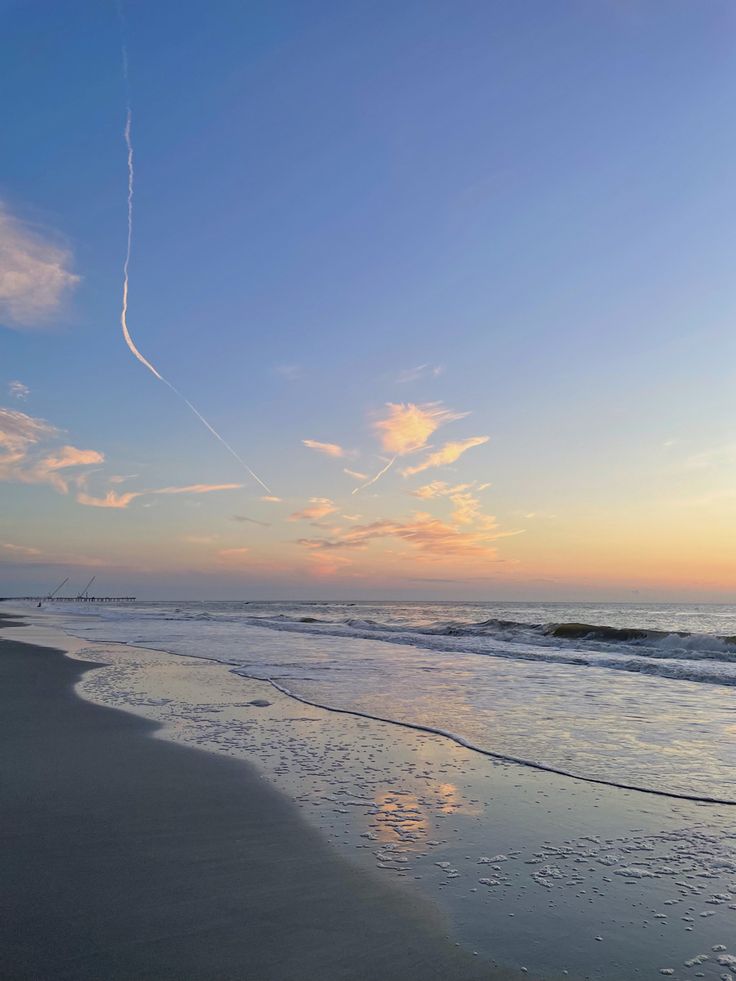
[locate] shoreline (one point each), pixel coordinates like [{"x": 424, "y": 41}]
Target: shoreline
[
  {"x": 135, "y": 858},
  {"x": 585, "y": 881}
]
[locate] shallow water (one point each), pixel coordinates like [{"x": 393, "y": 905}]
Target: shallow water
[{"x": 653, "y": 707}]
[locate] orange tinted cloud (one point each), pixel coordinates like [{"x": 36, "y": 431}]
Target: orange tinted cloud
[
  {"x": 195, "y": 489},
  {"x": 407, "y": 427},
  {"x": 329, "y": 449},
  {"x": 20, "y": 435},
  {"x": 424, "y": 532},
  {"x": 114, "y": 500},
  {"x": 110, "y": 500},
  {"x": 319, "y": 507},
  {"x": 467, "y": 509},
  {"x": 448, "y": 453}
]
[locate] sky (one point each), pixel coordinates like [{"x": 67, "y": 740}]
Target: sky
[{"x": 425, "y": 300}]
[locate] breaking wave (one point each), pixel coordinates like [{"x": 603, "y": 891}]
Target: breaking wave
[{"x": 677, "y": 655}]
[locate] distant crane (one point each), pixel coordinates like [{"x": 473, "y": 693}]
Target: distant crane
[
  {"x": 51, "y": 595},
  {"x": 83, "y": 594}
]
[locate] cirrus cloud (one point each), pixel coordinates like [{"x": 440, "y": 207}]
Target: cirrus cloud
[
  {"x": 17, "y": 390},
  {"x": 424, "y": 532},
  {"x": 319, "y": 507},
  {"x": 329, "y": 449},
  {"x": 406, "y": 428},
  {"x": 35, "y": 274},
  {"x": 112, "y": 499},
  {"x": 446, "y": 454},
  {"x": 420, "y": 371},
  {"x": 20, "y": 549},
  {"x": 21, "y": 460}
]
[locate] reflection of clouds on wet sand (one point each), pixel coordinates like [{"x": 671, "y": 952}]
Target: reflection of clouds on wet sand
[
  {"x": 451, "y": 801},
  {"x": 398, "y": 816}
]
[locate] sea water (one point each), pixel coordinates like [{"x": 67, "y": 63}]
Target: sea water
[{"x": 639, "y": 696}]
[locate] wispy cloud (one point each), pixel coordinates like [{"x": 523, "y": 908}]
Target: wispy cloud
[
  {"x": 19, "y": 549},
  {"x": 420, "y": 371},
  {"x": 17, "y": 390},
  {"x": 440, "y": 488},
  {"x": 467, "y": 509},
  {"x": 251, "y": 521},
  {"x": 329, "y": 449},
  {"x": 271, "y": 499},
  {"x": 319, "y": 507},
  {"x": 355, "y": 474},
  {"x": 21, "y": 460},
  {"x": 109, "y": 500},
  {"x": 112, "y": 499},
  {"x": 71, "y": 456},
  {"x": 35, "y": 273},
  {"x": 21, "y": 556},
  {"x": 447, "y": 454},
  {"x": 469, "y": 531},
  {"x": 406, "y": 428},
  {"x": 48, "y": 469},
  {"x": 19, "y": 431},
  {"x": 423, "y": 531},
  {"x": 231, "y": 553},
  {"x": 197, "y": 489},
  {"x": 119, "y": 478}
]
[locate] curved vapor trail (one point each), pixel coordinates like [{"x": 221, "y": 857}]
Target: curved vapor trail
[
  {"x": 124, "y": 312},
  {"x": 377, "y": 476}
]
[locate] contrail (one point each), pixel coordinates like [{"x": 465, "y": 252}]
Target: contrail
[
  {"x": 124, "y": 312},
  {"x": 377, "y": 477}
]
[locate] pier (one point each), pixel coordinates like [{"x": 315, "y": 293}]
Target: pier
[
  {"x": 81, "y": 597},
  {"x": 67, "y": 599}
]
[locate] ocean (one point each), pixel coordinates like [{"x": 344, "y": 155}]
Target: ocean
[{"x": 632, "y": 695}]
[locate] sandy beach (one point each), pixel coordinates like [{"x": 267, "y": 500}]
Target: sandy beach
[{"x": 126, "y": 857}]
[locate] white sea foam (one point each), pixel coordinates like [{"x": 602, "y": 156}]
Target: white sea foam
[{"x": 600, "y": 709}]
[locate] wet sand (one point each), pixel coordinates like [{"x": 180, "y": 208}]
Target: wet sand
[{"x": 126, "y": 857}]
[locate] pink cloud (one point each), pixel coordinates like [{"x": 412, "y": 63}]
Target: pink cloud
[
  {"x": 319, "y": 507},
  {"x": 329, "y": 449}
]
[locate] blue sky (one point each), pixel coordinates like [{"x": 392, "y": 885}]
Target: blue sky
[{"x": 534, "y": 201}]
